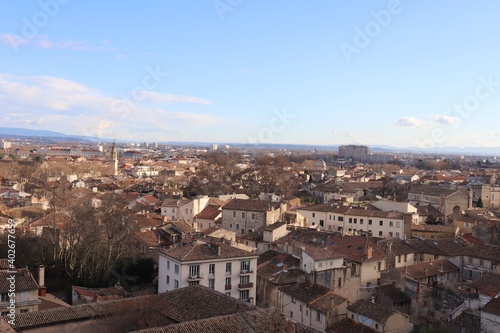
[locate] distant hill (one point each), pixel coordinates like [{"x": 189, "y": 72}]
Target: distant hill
[{"x": 30, "y": 133}]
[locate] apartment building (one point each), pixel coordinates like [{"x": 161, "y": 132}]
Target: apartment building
[{"x": 218, "y": 266}]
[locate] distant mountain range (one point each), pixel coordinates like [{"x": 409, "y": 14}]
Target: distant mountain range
[
  {"x": 30, "y": 133},
  {"x": 57, "y": 136}
]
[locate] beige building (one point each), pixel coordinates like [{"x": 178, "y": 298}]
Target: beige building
[
  {"x": 244, "y": 216},
  {"x": 312, "y": 305},
  {"x": 19, "y": 291}
]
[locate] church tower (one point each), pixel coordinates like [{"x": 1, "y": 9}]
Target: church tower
[{"x": 114, "y": 156}]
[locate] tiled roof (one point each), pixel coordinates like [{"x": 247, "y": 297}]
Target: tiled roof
[
  {"x": 205, "y": 251},
  {"x": 274, "y": 226},
  {"x": 149, "y": 220},
  {"x": 376, "y": 312},
  {"x": 210, "y": 212},
  {"x": 24, "y": 281},
  {"x": 60, "y": 219},
  {"x": 398, "y": 246},
  {"x": 446, "y": 247},
  {"x": 488, "y": 284},
  {"x": 175, "y": 202},
  {"x": 251, "y": 205},
  {"x": 182, "y": 226},
  {"x": 254, "y": 321},
  {"x": 347, "y": 325},
  {"x": 428, "y": 210},
  {"x": 488, "y": 252},
  {"x": 279, "y": 268},
  {"x": 153, "y": 238},
  {"x": 324, "y": 245},
  {"x": 315, "y": 296},
  {"x": 180, "y": 305},
  {"x": 4, "y": 264},
  {"x": 492, "y": 306},
  {"x": 432, "y": 190},
  {"x": 433, "y": 268},
  {"x": 434, "y": 228}
]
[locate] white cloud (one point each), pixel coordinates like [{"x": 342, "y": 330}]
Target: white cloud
[
  {"x": 409, "y": 122},
  {"x": 44, "y": 42},
  {"x": 445, "y": 120},
  {"x": 428, "y": 121},
  {"x": 70, "y": 107}
]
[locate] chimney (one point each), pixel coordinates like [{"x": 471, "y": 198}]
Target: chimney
[
  {"x": 369, "y": 252},
  {"x": 41, "y": 281}
]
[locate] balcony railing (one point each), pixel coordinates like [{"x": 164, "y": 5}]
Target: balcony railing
[
  {"x": 228, "y": 287},
  {"x": 196, "y": 277},
  {"x": 246, "y": 272},
  {"x": 245, "y": 286}
]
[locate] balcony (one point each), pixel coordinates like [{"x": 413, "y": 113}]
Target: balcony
[
  {"x": 246, "y": 272},
  {"x": 245, "y": 286},
  {"x": 197, "y": 277},
  {"x": 228, "y": 287}
]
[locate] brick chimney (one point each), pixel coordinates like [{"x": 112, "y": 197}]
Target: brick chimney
[{"x": 42, "y": 291}]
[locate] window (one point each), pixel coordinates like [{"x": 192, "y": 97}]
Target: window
[
  {"x": 369, "y": 222},
  {"x": 322, "y": 223},
  {"x": 399, "y": 259},
  {"x": 390, "y": 233},
  {"x": 360, "y": 221},
  {"x": 380, "y": 233},
  {"x": 230, "y": 226},
  {"x": 379, "y": 266},
  {"x": 314, "y": 214},
  {"x": 234, "y": 214},
  {"x": 341, "y": 218},
  {"x": 245, "y": 265},
  {"x": 245, "y": 279},
  {"x": 381, "y": 223},
  {"x": 355, "y": 220},
  {"x": 350, "y": 220},
  {"x": 469, "y": 274},
  {"x": 211, "y": 269},
  {"x": 4, "y": 297},
  {"x": 330, "y": 217},
  {"x": 228, "y": 293},
  {"x": 291, "y": 314},
  {"x": 24, "y": 311},
  {"x": 397, "y": 234},
  {"x": 391, "y": 224},
  {"x": 211, "y": 284},
  {"x": 237, "y": 226},
  {"x": 481, "y": 262},
  {"x": 406, "y": 257},
  {"x": 168, "y": 279},
  {"x": 228, "y": 281},
  {"x": 244, "y": 295},
  {"x": 194, "y": 271},
  {"x": 376, "y": 326},
  {"x": 176, "y": 284},
  {"x": 253, "y": 216},
  {"x": 318, "y": 316},
  {"x": 194, "y": 283},
  {"x": 398, "y": 224},
  {"x": 176, "y": 269},
  {"x": 228, "y": 268},
  {"x": 339, "y": 283},
  {"x": 470, "y": 260},
  {"x": 168, "y": 264},
  {"x": 242, "y": 215},
  {"x": 293, "y": 299}
]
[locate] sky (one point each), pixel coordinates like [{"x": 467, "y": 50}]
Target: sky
[{"x": 397, "y": 73}]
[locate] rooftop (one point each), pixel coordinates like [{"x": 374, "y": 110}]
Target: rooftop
[
  {"x": 376, "y": 312},
  {"x": 205, "y": 251}
]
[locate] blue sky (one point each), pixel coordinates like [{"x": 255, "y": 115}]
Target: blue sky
[{"x": 400, "y": 73}]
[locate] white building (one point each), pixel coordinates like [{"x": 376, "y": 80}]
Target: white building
[
  {"x": 357, "y": 221},
  {"x": 221, "y": 267}
]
